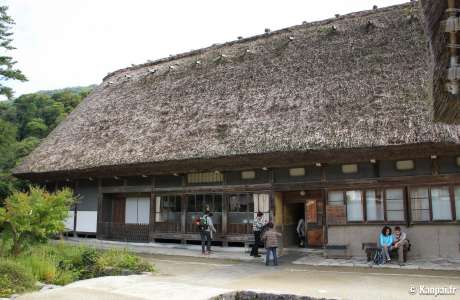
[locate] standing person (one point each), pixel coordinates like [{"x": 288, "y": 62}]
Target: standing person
[
  {"x": 257, "y": 228},
  {"x": 271, "y": 243},
  {"x": 399, "y": 242},
  {"x": 206, "y": 228},
  {"x": 386, "y": 242},
  {"x": 301, "y": 232}
]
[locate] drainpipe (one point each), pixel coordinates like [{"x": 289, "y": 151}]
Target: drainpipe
[{"x": 452, "y": 25}]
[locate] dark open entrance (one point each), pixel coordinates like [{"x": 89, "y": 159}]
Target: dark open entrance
[
  {"x": 307, "y": 205},
  {"x": 293, "y": 212}
]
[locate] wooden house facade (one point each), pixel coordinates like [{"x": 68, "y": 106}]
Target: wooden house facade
[{"x": 328, "y": 121}]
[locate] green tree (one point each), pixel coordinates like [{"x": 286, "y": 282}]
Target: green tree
[
  {"x": 7, "y": 63},
  {"x": 34, "y": 216},
  {"x": 7, "y": 145},
  {"x": 37, "y": 128}
]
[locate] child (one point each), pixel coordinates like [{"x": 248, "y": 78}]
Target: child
[{"x": 271, "y": 243}]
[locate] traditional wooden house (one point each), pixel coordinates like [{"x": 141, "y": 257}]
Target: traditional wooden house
[{"x": 329, "y": 121}]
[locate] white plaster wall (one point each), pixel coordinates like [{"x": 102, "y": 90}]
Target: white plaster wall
[{"x": 427, "y": 240}]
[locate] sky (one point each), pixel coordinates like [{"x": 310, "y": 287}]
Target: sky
[{"x": 66, "y": 43}]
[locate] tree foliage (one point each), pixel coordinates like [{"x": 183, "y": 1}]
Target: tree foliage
[
  {"x": 34, "y": 216},
  {"x": 7, "y": 70},
  {"x": 26, "y": 120}
]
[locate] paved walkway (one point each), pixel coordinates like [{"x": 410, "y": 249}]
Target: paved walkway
[
  {"x": 308, "y": 257},
  {"x": 445, "y": 264},
  {"x": 193, "y": 278}
]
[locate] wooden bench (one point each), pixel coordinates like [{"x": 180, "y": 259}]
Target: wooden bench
[
  {"x": 370, "y": 249},
  {"x": 336, "y": 251}
]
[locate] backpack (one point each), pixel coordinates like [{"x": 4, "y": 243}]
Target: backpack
[
  {"x": 378, "y": 257},
  {"x": 202, "y": 223}
]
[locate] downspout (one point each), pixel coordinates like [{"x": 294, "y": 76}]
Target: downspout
[{"x": 452, "y": 26}]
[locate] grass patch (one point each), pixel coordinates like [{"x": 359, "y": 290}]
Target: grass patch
[
  {"x": 62, "y": 264},
  {"x": 14, "y": 278}
]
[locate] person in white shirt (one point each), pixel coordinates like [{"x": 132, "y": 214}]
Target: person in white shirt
[{"x": 257, "y": 228}]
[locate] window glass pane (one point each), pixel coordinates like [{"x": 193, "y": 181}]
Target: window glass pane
[
  {"x": 420, "y": 205},
  {"x": 395, "y": 204},
  {"x": 440, "y": 202},
  {"x": 131, "y": 211},
  {"x": 143, "y": 210},
  {"x": 354, "y": 206},
  {"x": 374, "y": 206},
  {"x": 199, "y": 207},
  {"x": 208, "y": 203},
  {"x": 457, "y": 202},
  {"x": 261, "y": 203},
  {"x": 218, "y": 202},
  {"x": 335, "y": 198},
  {"x": 167, "y": 208}
]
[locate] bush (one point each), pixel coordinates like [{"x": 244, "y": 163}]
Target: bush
[
  {"x": 34, "y": 216},
  {"x": 62, "y": 264},
  {"x": 14, "y": 278},
  {"x": 115, "y": 262}
]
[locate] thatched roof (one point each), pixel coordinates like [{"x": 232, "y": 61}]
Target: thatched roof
[
  {"x": 357, "y": 81},
  {"x": 446, "y": 106}
]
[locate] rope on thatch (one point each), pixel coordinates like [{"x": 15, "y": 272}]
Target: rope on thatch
[{"x": 452, "y": 27}]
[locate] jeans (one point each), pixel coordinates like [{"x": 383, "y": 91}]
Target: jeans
[
  {"x": 205, "y": 239},
  {"x": 386, "y": 252},
  {"x": 275, "y": 259},
  {"x": 402, "y": 244},
  {"x": 255, "y": 247}
]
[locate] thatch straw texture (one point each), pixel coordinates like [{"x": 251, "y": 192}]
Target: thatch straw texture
[
  {"x": 446, "y": 106},
  {"x": 313, "y": 87}
]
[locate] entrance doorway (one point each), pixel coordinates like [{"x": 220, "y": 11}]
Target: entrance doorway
[
  {"x": 307, "y": 205},
  {"x": 293, "y": 213}
]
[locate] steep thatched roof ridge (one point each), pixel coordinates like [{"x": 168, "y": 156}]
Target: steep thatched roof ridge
[
  {"x": 193, "y": 53},
  {"x": 358, "y": 81}
]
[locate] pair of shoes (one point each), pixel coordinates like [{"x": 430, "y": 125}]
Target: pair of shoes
[
  {"x": 257, "y": 255},
  {"x": 402, "y": 264}
]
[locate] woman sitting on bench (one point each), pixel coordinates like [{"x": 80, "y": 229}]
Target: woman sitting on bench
[{"x": 385, "y": 242}]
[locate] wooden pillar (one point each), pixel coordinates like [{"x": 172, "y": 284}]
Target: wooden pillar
[
  {"x": 152, "y": 210},
  {"x": 75, "y": 210},
  {"x": 99, "y": 208},
  {"x": 224, "y": 219},
  {"x": 183, "y": 216},
  {"x": 279, "y": 216}
]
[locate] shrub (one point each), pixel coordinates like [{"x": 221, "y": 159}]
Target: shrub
[
  {"x": 114, "y": 262},
  {"x": 34, "y": 216},
  {"x": 14, "y": 278},
  {"x": 42, "y": 268}
]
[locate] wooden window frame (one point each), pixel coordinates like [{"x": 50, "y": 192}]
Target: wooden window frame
[
  {"x": 382, "y": 193},
  {"x": 451, "y": 188},
  {"x": 363, "y": 205}
]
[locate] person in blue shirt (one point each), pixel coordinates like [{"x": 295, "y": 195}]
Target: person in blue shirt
[{"x": 386, "y": 242}]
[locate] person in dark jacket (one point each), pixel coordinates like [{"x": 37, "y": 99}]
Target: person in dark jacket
[{"x": 270, "y": 237}]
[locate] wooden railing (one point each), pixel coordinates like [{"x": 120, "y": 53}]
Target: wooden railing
[{"x": 124, "y": 232}]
